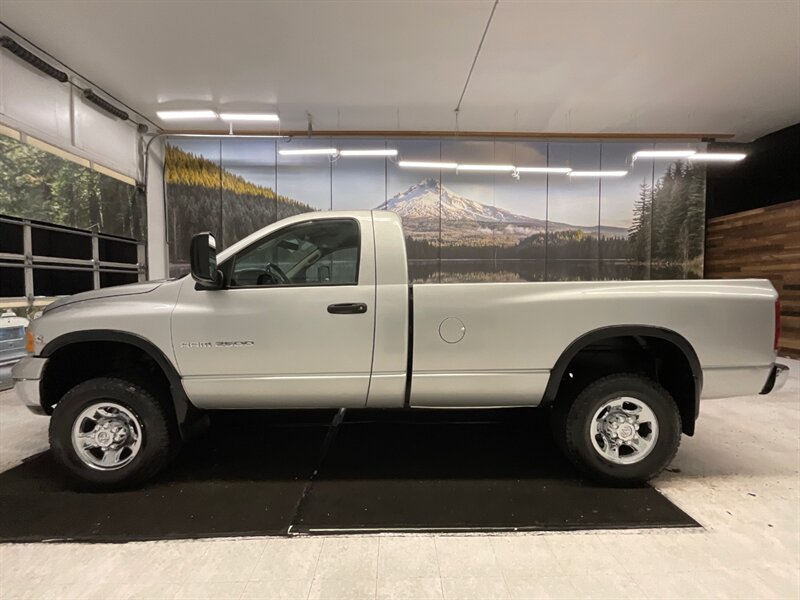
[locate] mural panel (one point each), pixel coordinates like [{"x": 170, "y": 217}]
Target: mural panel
[
  {"x": 573, "y": 219},
  {"x": 303, "y": 181},
  {"x": 415, "y": 195},
  {"x": 248, "y": 199},
  {"x": 194, "y": 192},
  {"x": 359, "y": 182},
  {"x": 677, "y": 214},
  {"x": 469, "y": 216},
  {"x": 619, "y": 198},
  {"x": 520, "y": 238}
]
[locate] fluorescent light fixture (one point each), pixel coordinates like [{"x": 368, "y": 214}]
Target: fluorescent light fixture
[
  {"x": 718, "y": 156},
  {"x": 386, "y": 152},
  {"x": 309, "y": 151},
  {"x": 664, "y": 153},
  {"x": 598, "y": 173},
  {"x": 416, "y": 164},
  {"x": 544, "y": 170},
  {"x": 494, "y": 168},
  {"x": 176, "y": 115},
  {"x": 249, "y": 117}
]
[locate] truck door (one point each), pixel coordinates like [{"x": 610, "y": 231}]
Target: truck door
[{"x": 294, "y": 325}]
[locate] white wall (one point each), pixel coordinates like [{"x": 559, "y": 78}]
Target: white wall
[
  {"x": 156, "y": 217},
  {"x": 57, "y": 113}
]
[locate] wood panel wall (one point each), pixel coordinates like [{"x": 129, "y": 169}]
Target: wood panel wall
[{"x": 764, "y": 242}]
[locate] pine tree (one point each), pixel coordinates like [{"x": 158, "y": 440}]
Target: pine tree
[{"x": 639, "y": 232}]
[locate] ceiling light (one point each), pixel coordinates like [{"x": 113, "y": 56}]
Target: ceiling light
[
  {"x": 176, "y": 115},
  {"x": 249, "y": 117},
  {"x": 664, "y": 154},
  {"x": 495, "y": 168},
  {"x": 302, "y": 151},
  {"x": 598, "y": 173},
  {"x": 543, "y": 170},
  {"x": 415, "y": 164},
  {"x": 386, "y": 152},
  {"x": 718, "y": 156}
]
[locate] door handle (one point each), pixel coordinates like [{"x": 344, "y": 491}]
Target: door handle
[{"x": 347, "y": 308}]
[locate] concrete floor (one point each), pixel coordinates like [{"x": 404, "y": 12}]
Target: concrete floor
[{"x": 739, "y": 477}]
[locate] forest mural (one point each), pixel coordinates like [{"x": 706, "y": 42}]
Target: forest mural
[
  {"x": 460, "y": 226},
  {"x": 205, "y": 197},
  {"x": 37, "y": 185},
  {"x": 667, "y": 230}
]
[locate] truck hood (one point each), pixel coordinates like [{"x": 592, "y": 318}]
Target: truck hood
[{"x": 119, "y": 290}]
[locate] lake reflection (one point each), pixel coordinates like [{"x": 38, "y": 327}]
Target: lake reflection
[{"x": 509, "y": 270}]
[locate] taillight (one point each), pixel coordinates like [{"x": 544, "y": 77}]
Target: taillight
[{"x": 777, "y": 323}]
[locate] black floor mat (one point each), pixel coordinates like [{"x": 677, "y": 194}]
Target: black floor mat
[
  {"x": 245, "y": 477},
  {"x": 381, "y": 471},
  {"x": 471, "y": 470}
]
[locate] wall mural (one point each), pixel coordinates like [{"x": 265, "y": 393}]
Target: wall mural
[
  {"x": 461, "y": 226},
  {"x": 37, "y": 185}
]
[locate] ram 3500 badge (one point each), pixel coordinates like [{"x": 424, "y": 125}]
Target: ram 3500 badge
[
  {"x": 233, "y": 344},
  {"x": 317, "y": 311}
]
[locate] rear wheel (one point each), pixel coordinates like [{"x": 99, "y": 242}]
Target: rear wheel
[
  {"x": 110, "y": 433},
  {"x": 621, "y": 429}
]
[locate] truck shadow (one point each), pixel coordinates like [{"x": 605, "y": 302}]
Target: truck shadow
[{"x": 375, "y": 444}]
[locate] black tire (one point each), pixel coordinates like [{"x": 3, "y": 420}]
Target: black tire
[
  {"x": 558, "y": 422},
  {"x": 156, "y": 443},
  {"x": 574, "y": 429}
]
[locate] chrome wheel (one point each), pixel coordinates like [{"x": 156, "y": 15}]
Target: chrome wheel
[
  {"x": 624, "y": 430},
  {"x": 106, "y": 436}
]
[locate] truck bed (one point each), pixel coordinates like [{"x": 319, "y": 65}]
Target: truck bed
[{"x": 515, "y": 332}]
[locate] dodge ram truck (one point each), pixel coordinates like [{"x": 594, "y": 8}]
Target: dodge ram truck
[{"x": 316, "y": 311}]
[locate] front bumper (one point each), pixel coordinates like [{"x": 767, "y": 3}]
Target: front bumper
[
  {"x": 27, "y": 374},
  {"x": 777, "y": 378}
]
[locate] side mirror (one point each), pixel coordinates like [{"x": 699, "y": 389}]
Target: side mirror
[{"x": 203, "y": 253}]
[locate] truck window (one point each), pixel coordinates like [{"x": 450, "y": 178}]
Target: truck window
[{"x": 323, "y": 252}]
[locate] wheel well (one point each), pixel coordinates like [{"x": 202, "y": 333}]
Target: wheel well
[
  {"x": 656, "y": 357},
  {"x": 80, "y": 361}
]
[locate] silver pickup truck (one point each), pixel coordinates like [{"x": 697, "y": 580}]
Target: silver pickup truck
[{"x": 316, "y": 311}]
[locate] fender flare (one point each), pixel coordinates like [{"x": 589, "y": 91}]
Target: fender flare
[
  {"x": 597, "y": 335},
  {"x": 181, "y": 404}
]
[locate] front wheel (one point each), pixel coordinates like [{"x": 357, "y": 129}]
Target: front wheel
[
  {"x": 622, "y": 429},
  {"x": 110, "y": 433}
]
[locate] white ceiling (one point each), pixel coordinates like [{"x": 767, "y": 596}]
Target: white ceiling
[{"x": 546, "y": 66}]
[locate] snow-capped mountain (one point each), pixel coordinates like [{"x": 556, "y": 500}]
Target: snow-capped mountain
[
  {"x": 421, "y": 201},
  {"x": 419, "y": 207}
]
